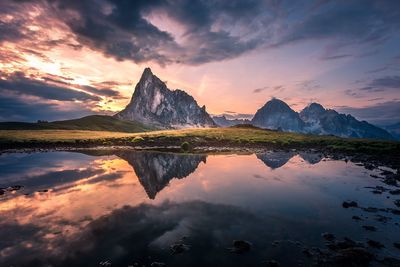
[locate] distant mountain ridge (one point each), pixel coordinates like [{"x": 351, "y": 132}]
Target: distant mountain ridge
[
  {"x": 224, "y": 122},
  {"x": 313, "y": 119},
  {"x": 328, "y": 121},
  {"x": 153, "y": 103},
  {"x": 393, "y": 129}
]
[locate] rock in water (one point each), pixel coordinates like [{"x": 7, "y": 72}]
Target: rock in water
[
  {"x": 240, "y": 246},
  {"x": 153, "y": 103}
]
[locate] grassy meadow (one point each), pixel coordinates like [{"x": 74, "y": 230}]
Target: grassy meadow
[{"x": 239, "y": 136}]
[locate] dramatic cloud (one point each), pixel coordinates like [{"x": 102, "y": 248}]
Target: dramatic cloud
[
  {"x": 196, "y": 32},
  {"x": 17, "y": 83},
  {"x": 380, "y": 114},
  {"x": 128, "y": 30},
  {"x": 65, "y": 50},
  {"x": 17, "y": 109},
  {"x": 356, "y": 20},
  {"x": 152, "y": 229}
]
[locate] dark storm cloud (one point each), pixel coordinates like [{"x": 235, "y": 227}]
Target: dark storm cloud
[
  {"x": 18, "y": 83},
  {"x": 212, "y": 30},
  {"x": 124, "y": 33},
  {"x": 99, "y": 89},
  {"x": 357, "y": 20},
  {"x": 381, "y": 113},
  {"x": 103, "y": 92},
  {"x": 10, "y": 31},
  {"x": 16, "y": 109}
]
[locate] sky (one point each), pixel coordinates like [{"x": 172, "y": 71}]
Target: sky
[{"x": 62, "y": 59}]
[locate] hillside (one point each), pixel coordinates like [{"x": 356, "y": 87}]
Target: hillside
[{"x": 90, "y": 123}]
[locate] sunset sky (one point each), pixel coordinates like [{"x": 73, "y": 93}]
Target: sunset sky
[{"x": 66, "y": 59}]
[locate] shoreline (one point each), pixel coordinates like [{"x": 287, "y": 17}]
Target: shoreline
[
  {"x": 369, "y": 160},
  {"x": 209, "y": 140}
]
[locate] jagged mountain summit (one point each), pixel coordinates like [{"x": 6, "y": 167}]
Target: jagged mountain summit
[
  {"x": 319, "y": 120},
  {"x": 153, "y": 103},
  {"x": 314, "y": 119},
  {"x": 277, "y": 115}
]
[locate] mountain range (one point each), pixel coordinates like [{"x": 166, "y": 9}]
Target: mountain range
[
  {"x": 154, "y": 106},
  {"x": 393, "y": 129},
  {"x": 313, "y": 119}
]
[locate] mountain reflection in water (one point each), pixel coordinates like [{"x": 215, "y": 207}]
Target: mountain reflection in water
[
  {"x": 126, "y": 206},
  {"x": 154, "y": 170}
]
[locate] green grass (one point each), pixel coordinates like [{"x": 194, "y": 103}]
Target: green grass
[
  {"x": 90, "y": 123},
  {"x": 53, "y": 136},
  {"x": 232, "y": 136}
]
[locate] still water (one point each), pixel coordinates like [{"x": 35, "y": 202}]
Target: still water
[{"x": 121, "y": 208}]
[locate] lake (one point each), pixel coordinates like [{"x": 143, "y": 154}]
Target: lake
[{"x": 139, "y": 208}]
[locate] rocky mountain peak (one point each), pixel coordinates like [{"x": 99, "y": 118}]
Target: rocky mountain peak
[
  {"x": 276, "y": 114},
  {"x": 153, "y": 103},
  {"x": 312, "y": 112},
  {"x": 276, "y": 105},
  {"x": 319, "y": 120},
  {"x": 147, "y": 72},
  {"x": 315, "y": 107}
]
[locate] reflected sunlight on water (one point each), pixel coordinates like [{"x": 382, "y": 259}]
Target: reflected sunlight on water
[{"x": 77, "y": 209}]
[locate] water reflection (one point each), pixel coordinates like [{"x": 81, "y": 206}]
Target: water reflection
[
  {"x": 275, "y": 160},
  {"x": 155, "y": 169},
  {"x": 117, "y": 206},
  {"x": 310, "y": 157}
]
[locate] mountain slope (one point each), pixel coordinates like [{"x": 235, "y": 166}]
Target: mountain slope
[
  {"x": 319, "y": 120},
  {"x": 222, "y": 121},
  {"x": 277, "y": 115},
  {"x": 93, "y": 123},
  {"x": 153, "y": 103},
  {"x": 394, "y": 130}
]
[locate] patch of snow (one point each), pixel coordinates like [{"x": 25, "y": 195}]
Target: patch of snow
[
  {"x": 147, "y": 81},
  {"x": 158, "y": 97}
]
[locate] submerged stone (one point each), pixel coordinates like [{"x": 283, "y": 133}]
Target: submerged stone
[
  {"x": 353, "y": 257},
  {"x": 240, "y": 246},
  {"x": 272, "y": 263},
  {"x": 350, "y": 204},
  {"x": 369, "y": 228},
  {"x": 157, "y": 264},
  {"x": 328, "y": 236},
  {"x": 375, "y": 244}
]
